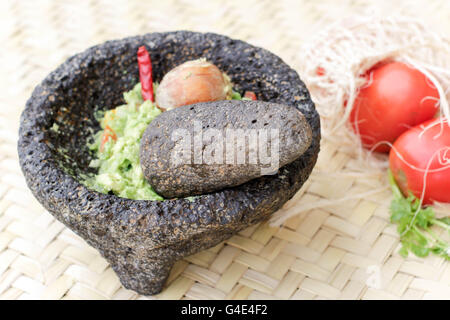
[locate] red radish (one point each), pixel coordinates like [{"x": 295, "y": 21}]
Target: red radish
[
  {"x": 423, "y": 154},
  {"x": 396, "y": 98}
]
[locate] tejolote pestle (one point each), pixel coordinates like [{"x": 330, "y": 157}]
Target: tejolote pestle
[{"x": 205, "y": 147}]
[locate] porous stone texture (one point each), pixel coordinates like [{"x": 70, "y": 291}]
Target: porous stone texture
[
  {"x": 206, "y": 147},
  {"x": 143, "y": 239}
]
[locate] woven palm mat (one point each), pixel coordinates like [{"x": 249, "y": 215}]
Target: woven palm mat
[{"x": 341, "y": 251}]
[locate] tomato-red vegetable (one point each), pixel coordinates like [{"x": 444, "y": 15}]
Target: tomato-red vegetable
[
  {"x": 425, "y": 145},
  {"x": 108, "y": 133},
  {"x": 250, "y": 95},
  {"x": 395, "y": 98}
]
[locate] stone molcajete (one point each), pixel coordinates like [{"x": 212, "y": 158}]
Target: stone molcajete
[
  {"x": 143, "y": 239},
  {"x": 206, "y": 147}
]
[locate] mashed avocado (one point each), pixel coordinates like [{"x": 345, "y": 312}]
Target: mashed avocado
[
  {"x": 119, "y": 170},
  {"x": 116, "y": 148}
]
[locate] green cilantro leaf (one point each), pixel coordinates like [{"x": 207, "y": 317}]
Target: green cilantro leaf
[{"x": 414, "y": 225}]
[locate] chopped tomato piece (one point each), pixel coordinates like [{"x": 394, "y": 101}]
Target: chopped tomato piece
[
  {"x": 107, "y": 134},
  {"x": 250, "y": 95}
]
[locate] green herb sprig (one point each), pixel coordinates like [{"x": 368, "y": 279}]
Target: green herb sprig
[{"x": 414, "y": 225}]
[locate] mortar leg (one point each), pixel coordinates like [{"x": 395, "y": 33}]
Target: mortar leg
[{"x": 146, "y": 277}]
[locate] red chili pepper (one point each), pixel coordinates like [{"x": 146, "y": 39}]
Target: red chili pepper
[
  {"x": 250, "y": 95},
  {"x": 145, "y": 74},
  {"x": 107, "y": 134}
]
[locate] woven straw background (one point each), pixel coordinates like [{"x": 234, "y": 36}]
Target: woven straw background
[{"x": 329, "y": 253}]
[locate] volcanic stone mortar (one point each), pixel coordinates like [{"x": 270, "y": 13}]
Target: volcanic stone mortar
[{"x": 142, "y": 239}]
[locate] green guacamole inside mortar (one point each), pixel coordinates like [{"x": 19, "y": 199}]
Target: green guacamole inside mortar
[
  {"x": 119, "y": 170},
  {"x": 116, "y": 157}
]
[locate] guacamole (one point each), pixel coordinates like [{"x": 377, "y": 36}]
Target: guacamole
[{"x": 116, "y": 149}]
